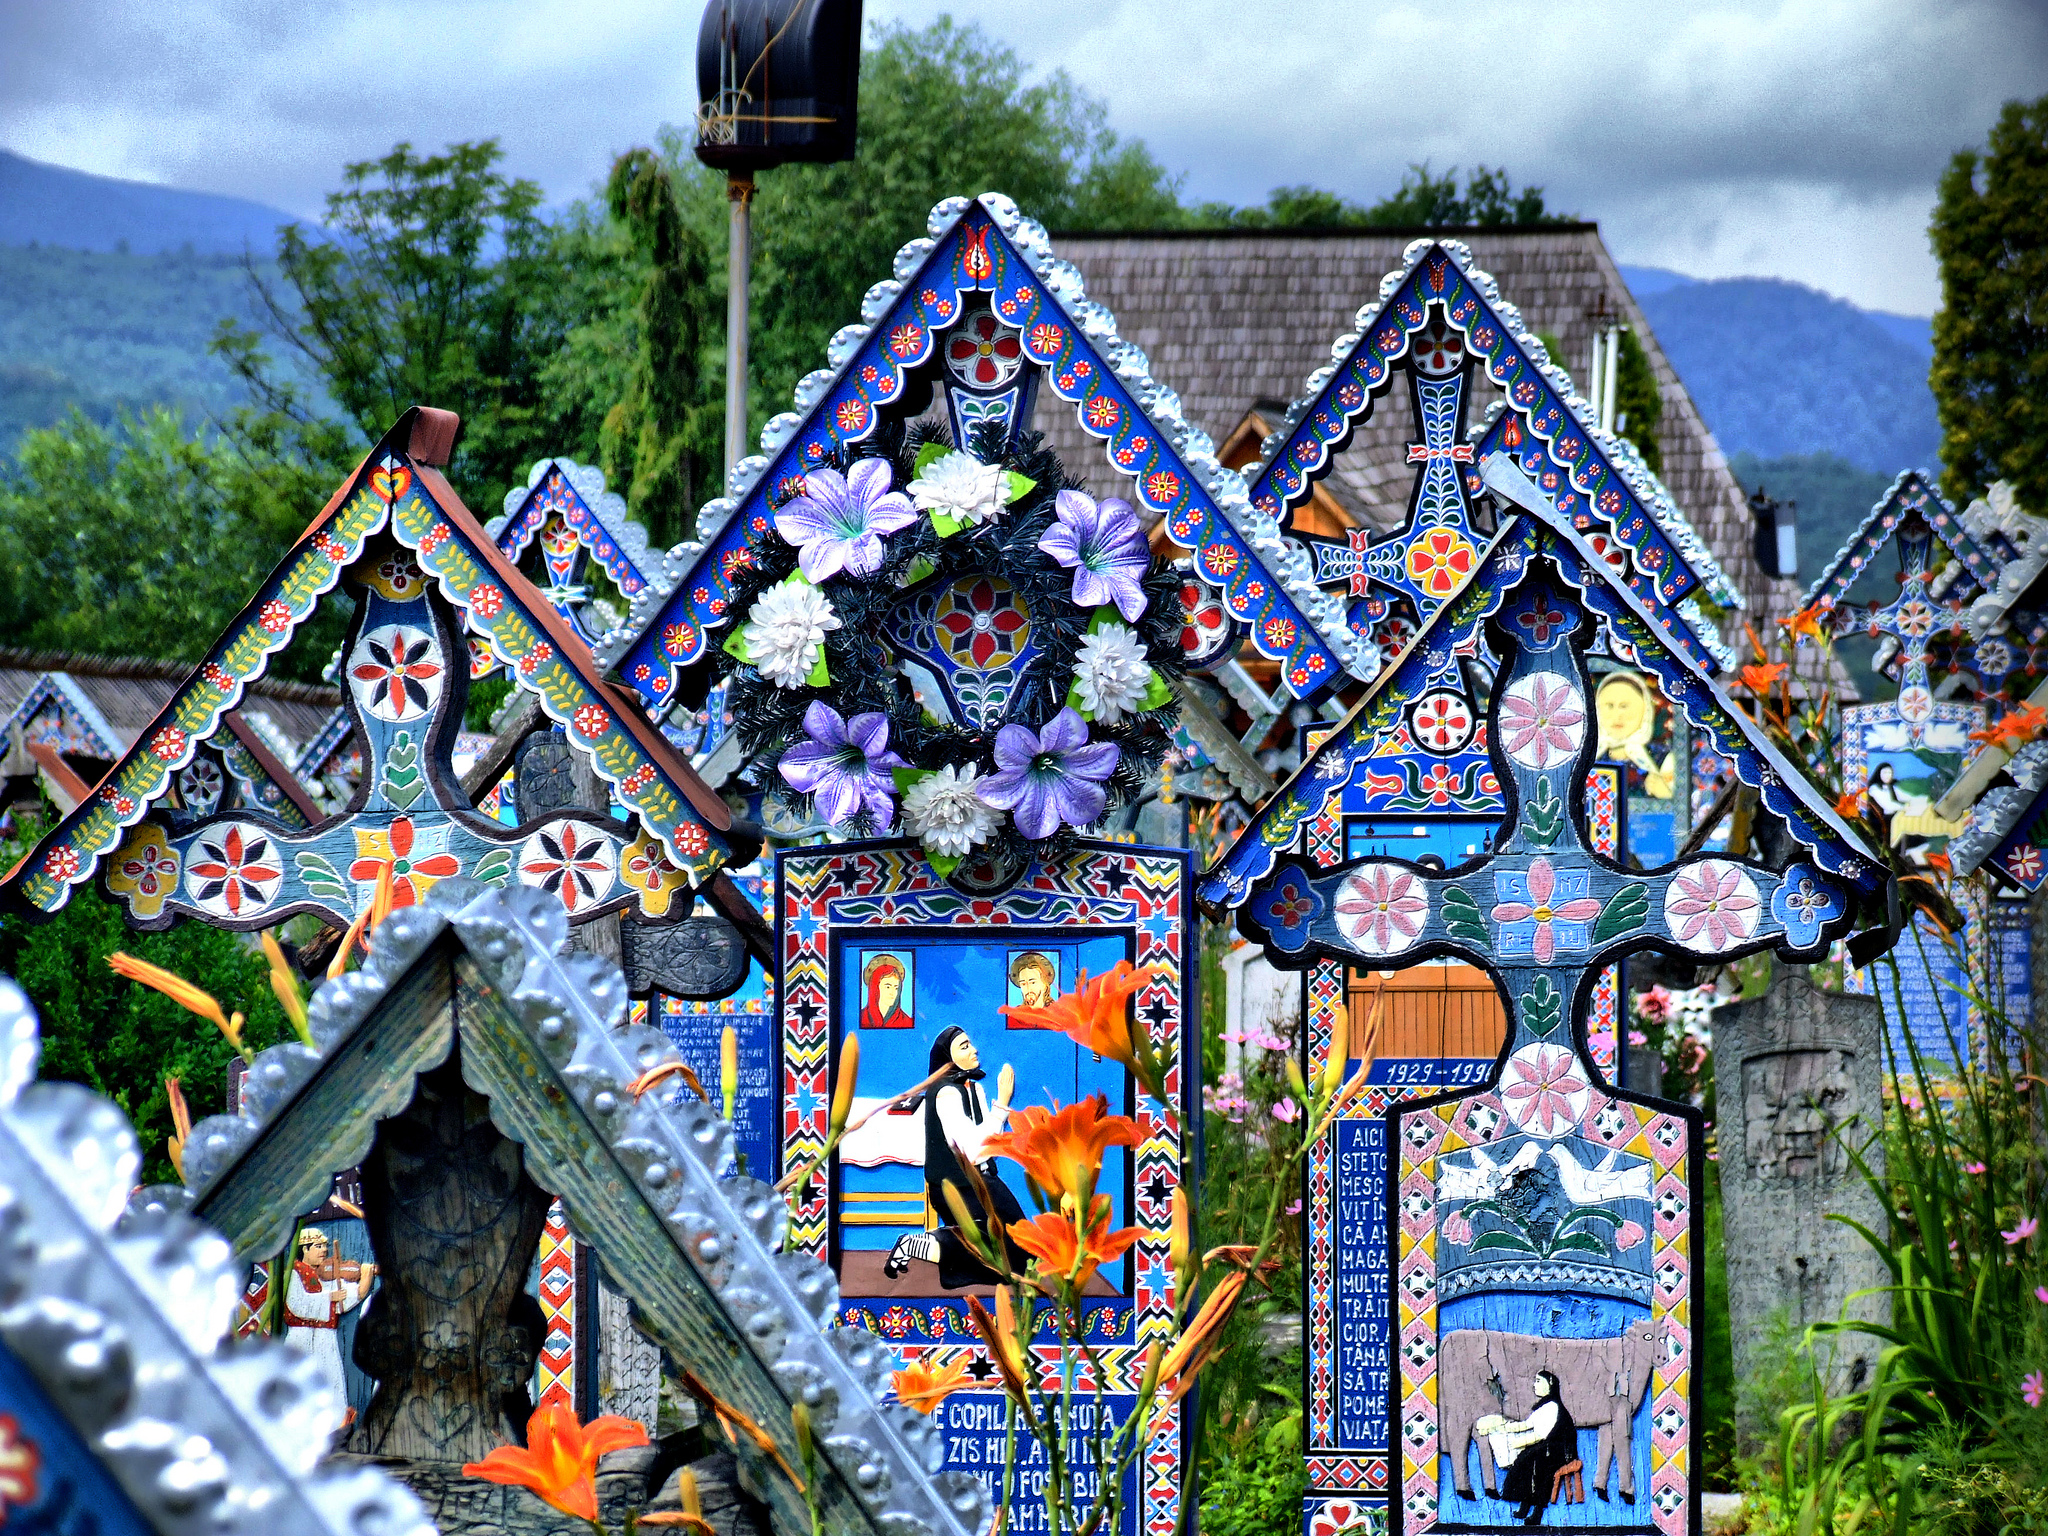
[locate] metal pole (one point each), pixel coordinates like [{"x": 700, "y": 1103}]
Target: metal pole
[
  {"x": 1607, "y": 379},
  {"x": 739, "y": 192},
  {"x": 1593, "y": 373}
]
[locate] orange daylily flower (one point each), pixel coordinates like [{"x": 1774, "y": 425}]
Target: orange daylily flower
[
  {"x": 179, "y": 991},
  {"x": 1096, "y": 1015},
  {"x": 918, "y": 1386},
  {"x": 1805, "y": 622},
  {"x": 181, "y": 1123},
  {"x": 559, "y": 1459},
  {"x": 1192, "y": 1349},
  {"x": 1000, "y": 1335},
  {"x": 1062, "y": 1152},
  {"x": 1065, "y": 1252},
  {"x": 1851, "y": 805},
  {"x": 2015, "y": 729},
  {"x": 1760, "y": 677}
]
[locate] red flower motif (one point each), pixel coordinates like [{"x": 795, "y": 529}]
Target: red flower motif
[
  {"x": 62, "y": 862},
  {"x": 984, "y": 619},
  {"x": 986, "y": 352},
  {"x": 531, "y": 662},
  {"x": 411, "y": 877},
  {"x": 692, "y": 840},
  {"x": 217, "y": 677},
  {"x": 1439, "y": 560},
  {"x": 592, "y": 720},
  {"x": 1543, "y": 1088},
  {"x": 486, "y": 602},
  {"x": 1162, "y": 486},
  {"x": 168, "y": 743},
  {"x": 275, "y": 616},
  {"x": 400, "y": 665},
  {"x": 571, "y": 857},
  {"x": 236, "y": 869},
  {"x": 20, "y": 1459},
  {"x": 638, "y": 779}
]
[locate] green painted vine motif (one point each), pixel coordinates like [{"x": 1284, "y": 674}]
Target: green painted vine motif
[
  {"x": 1626, "y": 910},
  {"x": 1462, "y": 919},
  {"x": 1542, "y": 1006}
]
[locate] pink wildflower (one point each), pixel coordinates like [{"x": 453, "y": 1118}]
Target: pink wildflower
[
  {"x": 1637, "y": 1037},
  {"x": 1973, "y": 1169},
  {"x": 1286, "y": 1111},
  {"x": 2019, "y": 1234},
  {"x": 2041, "y": 1294},
  {"x": 2034, "y": 1389}
]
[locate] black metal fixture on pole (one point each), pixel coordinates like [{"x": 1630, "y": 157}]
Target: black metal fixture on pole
[{"x": 777, "y": 81}]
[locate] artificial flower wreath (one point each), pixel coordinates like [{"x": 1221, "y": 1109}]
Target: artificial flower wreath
[{"x": 831, "y": 721}]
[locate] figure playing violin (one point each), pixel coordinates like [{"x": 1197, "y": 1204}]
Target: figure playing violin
[{"x": 322, "y": 1289}]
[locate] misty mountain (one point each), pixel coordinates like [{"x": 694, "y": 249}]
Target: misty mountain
[
  {"x": 1780, "y": 370},
  {"x": 52, "y": 205}
]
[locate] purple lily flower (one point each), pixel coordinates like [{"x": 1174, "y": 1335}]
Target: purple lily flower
[
  {"x": 845, "y": 764},
  {"x": 838, "y": 522},
  {"x": 1102, "y": 542},
  {"x": 1049, "y": 776}
]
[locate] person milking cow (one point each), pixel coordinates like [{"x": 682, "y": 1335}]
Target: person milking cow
[
  {"x": 958, "y": 1116},
  {"x": 1535, "y": 1450}
]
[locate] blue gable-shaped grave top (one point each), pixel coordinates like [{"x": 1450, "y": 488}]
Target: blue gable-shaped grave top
[
  {"x": 581, "y": 528},
  {"x": 1442, "y": 320},
  {"x": 1036, "y": 323},
  {"x": 2008, "y": 830},
  {"x": 1911, "y": 492},
  {"x": 1359, "y": 740}
]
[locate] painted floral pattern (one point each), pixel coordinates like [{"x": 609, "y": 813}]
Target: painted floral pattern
[
  {"x": 1543, "y": 910},
  {"x": 416, "y": 856},
  {"x": 145, "y": 872},
  {"x": 1804, "y": 905},
  {"x": 235, "y": 872},
  {"x": 1382, "y": 908},
  {"x": 1542, "y": 720},
  {"x": 570, "y": 861},
  {"x": 1543, "y": 1090},
  {"x": 397, "y": 672},
  {"x": 646, "y": 867},
  {"x": 1712, "y": 906},
  {"x": 1286, "y": 906}
]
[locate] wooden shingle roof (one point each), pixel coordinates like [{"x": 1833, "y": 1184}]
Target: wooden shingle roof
[{"x": 1232, "y": 320}]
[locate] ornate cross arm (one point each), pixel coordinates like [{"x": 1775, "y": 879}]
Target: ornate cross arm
[{"x": 1542, "y": 912}]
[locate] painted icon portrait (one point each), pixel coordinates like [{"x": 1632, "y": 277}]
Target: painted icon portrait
[{"x": 885, "y": 981}]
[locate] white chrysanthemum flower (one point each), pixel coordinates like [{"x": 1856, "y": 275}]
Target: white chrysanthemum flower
[
  {"x": 944, "y": 811},
  {"x": 1111, "y": 674},
  {"x": 962, "y": 486},
  {"x": 785, "y": 632}
]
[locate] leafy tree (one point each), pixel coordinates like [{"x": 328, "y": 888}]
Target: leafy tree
[
  {"x": 944, "y": 111},
  {"x": 1990, "y": 373},
  {"x": 121, "y": 1039},
  {"x": 1638, "y": 403},
  {"x": 145, "y": 539},
  {"x": 1424, "y": 200},
  {"x": 435, "y": 283},
  {"x": 662, "y": 441}
]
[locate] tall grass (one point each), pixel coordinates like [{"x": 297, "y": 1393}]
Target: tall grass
[{"x": 1949, "y": 1427}]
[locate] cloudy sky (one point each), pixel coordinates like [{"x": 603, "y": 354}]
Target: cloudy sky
[{"x": 1793, "y": 138}]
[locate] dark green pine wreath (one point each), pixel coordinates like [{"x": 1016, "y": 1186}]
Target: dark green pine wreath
[{"x": 863, "y": 673}]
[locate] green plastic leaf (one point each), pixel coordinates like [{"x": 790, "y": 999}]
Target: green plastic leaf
[
  {"x": 945, "y": 524},
  {"x": 1020, "y": 486},
  {"x": 736, "y": 645},
  {"x": 819, "y": 676},
  {"x": 1625, "y": 911},
  {"x": 920, "y": 568},
  {"x": 928, "y": 455},
  {"x": 907, "y": 777},
  {"x": 1462, "y": 919},
  {"x": 944, "y": 863},
  {"x": 1073, "y": 701},
  {"x": 1158, "y": 694}
]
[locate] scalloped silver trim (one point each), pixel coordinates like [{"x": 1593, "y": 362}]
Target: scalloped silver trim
[
  {"x": 1994, "y": 816},
  {"x": 1834, "y": 565},
  {"x": 1290, "y": 565},
  {"x": 1622, "y": 454},
  {"x": 575, "y": 1008},
  {"x": 123, "y": 1312}
]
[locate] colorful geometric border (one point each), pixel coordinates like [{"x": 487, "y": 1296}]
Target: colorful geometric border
[
  {"x": 388, "y": 490},
  {"x": 888, "y": 884},
  {"x": 986, "y": 246}
]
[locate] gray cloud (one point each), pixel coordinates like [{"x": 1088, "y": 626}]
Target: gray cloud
[{"x": 1794, "y": 137}]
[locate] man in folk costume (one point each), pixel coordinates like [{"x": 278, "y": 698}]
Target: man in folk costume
[
  {"x": 958, "y": 1120},
  {"x": 316, "y": 1298}
]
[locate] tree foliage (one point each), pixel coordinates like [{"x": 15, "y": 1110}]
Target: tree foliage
[
  {"x": 121, "y": 1039},
  {"x": 1990, "y": 374},
  {"x": 433, "y": 284},
  {"x": 661, "y": 443},
  {"x": 1424, "y": 200},
  {"x": 145, "y": 539}
]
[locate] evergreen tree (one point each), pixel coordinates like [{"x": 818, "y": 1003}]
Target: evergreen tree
[
  {"x": 1990, "y": 374},
  {"x": 661, "y": 443}
]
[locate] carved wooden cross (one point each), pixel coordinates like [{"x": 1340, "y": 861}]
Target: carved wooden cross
[{"x": 1912, "y": 621}]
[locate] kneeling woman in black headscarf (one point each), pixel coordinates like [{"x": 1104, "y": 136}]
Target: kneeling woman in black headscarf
[
  {"x": 1542, "y": 1445},
  {"x": 957, "y": 1116}
]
